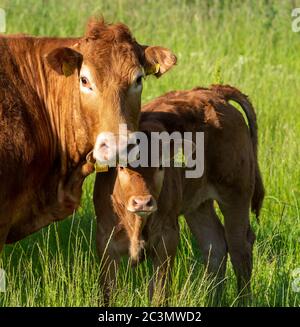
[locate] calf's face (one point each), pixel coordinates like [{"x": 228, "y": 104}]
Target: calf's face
[
  {"x": 110, "y": 67},
  {"x": 139, "y": 188},
  {"x": 138, "y": 191}
]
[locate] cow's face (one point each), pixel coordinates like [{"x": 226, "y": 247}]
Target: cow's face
[
  {"x": 139, "y": 188},
  {"x": 110, "y": 66}
]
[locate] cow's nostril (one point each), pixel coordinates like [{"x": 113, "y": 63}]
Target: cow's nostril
[
  {"x": 103, "y": 146},
  {"x": 104, "y": 150}
]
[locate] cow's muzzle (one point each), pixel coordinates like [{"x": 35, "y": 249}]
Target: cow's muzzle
[{"x": 111, "y": 149}]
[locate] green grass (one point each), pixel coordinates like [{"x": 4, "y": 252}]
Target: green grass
[{"x": 248, "y": 44}]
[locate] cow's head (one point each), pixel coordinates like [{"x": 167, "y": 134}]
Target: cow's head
[{"x": 110, "y": 66}]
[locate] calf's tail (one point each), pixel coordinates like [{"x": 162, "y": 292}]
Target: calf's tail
[{"x": 231, "y": 93}]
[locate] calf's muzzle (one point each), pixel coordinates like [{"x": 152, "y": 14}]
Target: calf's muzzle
[{"x": 142, "y": 205}]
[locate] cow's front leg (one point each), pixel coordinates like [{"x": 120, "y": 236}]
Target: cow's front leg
[{"x": 163, "y": 259}]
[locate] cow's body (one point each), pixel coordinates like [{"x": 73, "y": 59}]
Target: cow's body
[
  {"x": 32, "y": 100},
  {"x": 57, "y": 95},
  {"x": 231, "y": 177}
]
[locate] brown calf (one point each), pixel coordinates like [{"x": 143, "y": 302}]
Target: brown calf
[{"x": 142, "y": 214}]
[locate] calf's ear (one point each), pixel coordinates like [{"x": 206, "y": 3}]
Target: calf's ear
[
  {"x": 64, "y": 60},
  {"x": 184, "y": 153},
  {"x": 181, "y": 152},
  {"x": 158, "y": 60}
]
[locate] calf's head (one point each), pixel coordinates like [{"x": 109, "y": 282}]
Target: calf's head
[
  {"x": 109, "y": 67},
  {"x": 137, "y": 190}
]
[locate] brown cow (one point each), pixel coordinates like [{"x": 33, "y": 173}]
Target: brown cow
[
  {"x": 146, "y": 202},
  {"x": 57, "y": 96}
]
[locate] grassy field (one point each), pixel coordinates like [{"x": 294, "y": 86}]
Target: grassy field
[{"x": 249, "y": 44}]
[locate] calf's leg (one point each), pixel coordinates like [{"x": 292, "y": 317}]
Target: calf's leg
[
  {"x": 210, "y": 236},
  {"x": 240, "y": 239},
  {"x": 163, "y": 256}
]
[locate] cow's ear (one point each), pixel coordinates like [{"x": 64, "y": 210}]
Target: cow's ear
[
  {"x": 158, "y": 60},
  {"x": 64, "y": 60}
]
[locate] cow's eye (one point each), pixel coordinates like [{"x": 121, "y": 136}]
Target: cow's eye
[{"x": 85, "y": 82}]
